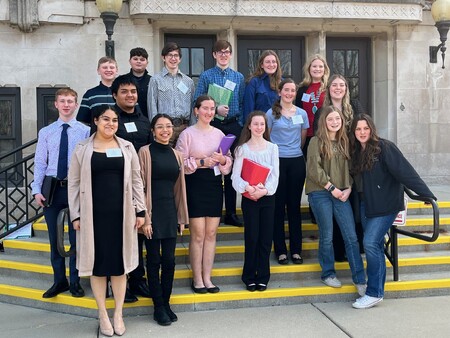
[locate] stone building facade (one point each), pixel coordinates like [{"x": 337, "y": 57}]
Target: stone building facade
[{"x": 45, "y": 44}]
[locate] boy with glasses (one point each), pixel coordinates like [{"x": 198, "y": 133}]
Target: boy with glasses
[{"x": 171, "y": 92}]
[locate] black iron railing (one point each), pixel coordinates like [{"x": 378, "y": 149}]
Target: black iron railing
[
  {"x": 391, "y": 245},
  {"x": 16, "y": 202}
]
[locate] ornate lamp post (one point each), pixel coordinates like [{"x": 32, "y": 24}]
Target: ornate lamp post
[
  {"x": 440, "y": 11},
  {"x": 109, "y": 10}
]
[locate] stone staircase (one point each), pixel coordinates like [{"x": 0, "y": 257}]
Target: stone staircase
[{"x": 424, "y": 270}]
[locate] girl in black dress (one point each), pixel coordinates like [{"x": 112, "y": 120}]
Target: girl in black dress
[{"x": 163, "y": 176}]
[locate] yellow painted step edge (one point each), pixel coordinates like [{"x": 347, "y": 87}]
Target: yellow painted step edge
[
  {"x": 237, "y": 271},
  {"x": 183, "y": 251},
  {"x": 306, "y": 226},
  {"x": 88, "y": 302}
]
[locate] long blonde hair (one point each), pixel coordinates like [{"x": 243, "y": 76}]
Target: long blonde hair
[
  {"x": 307, "y": 79},
  {"x": 347, "y": 110},
  {"x": 325, "y": 144}
]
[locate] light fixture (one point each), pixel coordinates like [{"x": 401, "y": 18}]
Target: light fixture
[
  {"x": 109, "y": 12},
  {"x": 440, "y": 11}
]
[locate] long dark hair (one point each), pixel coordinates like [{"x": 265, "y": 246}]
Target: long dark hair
[
  {"x": 364, "y": 159},
  {"x": 276, "y": 108}
]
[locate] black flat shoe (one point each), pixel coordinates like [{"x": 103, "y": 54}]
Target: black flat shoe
[
  {"x": 251, "y": 287},
  {"x": 140, "y": 289},
  {"x": 173, "y": 317},
  {"x": 199, "y": 290},
  {"x": 261, "y": 287},
  {"x": 297, "y": 259},
  {"x": 283, "y": 260},
  {"x": 213, "y": 289},
  {"x": 232, "y": 219},
  {"x": 56, "y": 289},
  {"x": 129, "y": 297},
  {"x": 161, "y": 317},
  {"x": 76, "y": 290}
]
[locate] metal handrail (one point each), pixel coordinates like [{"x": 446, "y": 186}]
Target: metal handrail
[
  {"x": 16, "y": 150},
  {"x": 392, "y": 254},
  {"x": 18, "y": 206}
]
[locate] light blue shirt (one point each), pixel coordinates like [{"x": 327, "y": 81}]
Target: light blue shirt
[
  {"x": 47, "y": 149},
  {"x": 286, "y": 132}
]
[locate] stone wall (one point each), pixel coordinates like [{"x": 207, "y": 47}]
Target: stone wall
[{"x": 409, "y": 95}]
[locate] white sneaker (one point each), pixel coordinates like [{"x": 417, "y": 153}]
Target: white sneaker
[
  {"x": 361, "y": 289},
  {"x": 332, "y": 281},
  {"x": 366, "y": 302}
]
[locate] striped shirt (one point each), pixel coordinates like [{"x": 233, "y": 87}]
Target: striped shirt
[
  {"x": 171, "y": 95},
  {"x": 94, "y": 97},
  {"x": 47, "y": 149},
  {"x": 220, "y": 76}
]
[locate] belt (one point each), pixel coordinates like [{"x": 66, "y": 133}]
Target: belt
[
  {"x": 62, "y": 183},
  {"x": 178, "y": 121},
  {"x": 227, "y": 120}
]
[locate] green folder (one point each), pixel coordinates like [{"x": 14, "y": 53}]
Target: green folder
[{"x": 221, "y": 95}]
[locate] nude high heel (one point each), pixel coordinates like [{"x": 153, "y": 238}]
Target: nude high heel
[{"x": 106, "y": 328}]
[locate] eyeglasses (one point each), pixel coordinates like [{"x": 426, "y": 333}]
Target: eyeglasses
[
  {"x": 223, "y": 52},
  {"x": 173, "y": 56},
  {"x": 162, "y": 126}
]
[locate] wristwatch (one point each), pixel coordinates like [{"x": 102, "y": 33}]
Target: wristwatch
[
  {"x": 331, "y": 188},
  {"x": 202, "y": 162}
]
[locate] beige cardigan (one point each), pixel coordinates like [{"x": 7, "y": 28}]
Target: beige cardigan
[
  {"x": 179, "y": 188},
  {"x": 80, "y": 203}
]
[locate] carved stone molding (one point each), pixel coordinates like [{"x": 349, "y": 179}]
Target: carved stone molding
[
  {"x": 405, "y": 11},
  {"x": 24, "y": 14}
]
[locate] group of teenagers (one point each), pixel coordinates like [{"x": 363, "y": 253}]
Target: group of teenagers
[{"x": 142, "y": 164}]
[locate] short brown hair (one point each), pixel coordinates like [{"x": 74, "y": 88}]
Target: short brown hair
[
  {"x": 222, "y": 44},
  {"x": 66, "y": 92},
  {"x": 106, "y": 59}
]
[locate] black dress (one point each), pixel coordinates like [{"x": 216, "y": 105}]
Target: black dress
[
  {"x": 107, "y": 200},
  {"x": 165, "y": 172}
]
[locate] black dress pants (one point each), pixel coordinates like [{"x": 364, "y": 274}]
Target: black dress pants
[
  {"x": 258, "y": 219},
  {"x": 230, "y": 194},
  {"x": 288, "y": 196}
]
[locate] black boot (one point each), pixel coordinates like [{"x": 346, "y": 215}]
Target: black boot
[
  {"x": 160, "y": 316},
  {"x": 173, "y": 317}
]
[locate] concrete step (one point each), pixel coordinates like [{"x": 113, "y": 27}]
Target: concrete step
[
  {"x": 229, "y": 272},
  {"x": 19, "y": 291},
  {"x": 227, "y": 250}
]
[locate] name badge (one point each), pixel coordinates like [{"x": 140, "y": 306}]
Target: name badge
[
  {"x": 113, "y": 152},
  {"x": 297, "y": 119},
  {"x": 217, "y": 171},
  {"x": 230, "y": 85},
  {"x": 306, "y": 97},
  {"x": 183, "y": 88},
  {"x": 130, "y": 127}
]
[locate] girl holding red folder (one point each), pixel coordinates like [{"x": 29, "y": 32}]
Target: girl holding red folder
[{"x": 258, "y": 208}]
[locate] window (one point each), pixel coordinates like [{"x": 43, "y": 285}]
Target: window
[{"x": 10, "y": 126}]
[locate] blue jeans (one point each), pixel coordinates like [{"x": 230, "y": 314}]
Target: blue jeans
[
  {"x": 324, "y": 206},
  {"x": 374, "y": 230}
]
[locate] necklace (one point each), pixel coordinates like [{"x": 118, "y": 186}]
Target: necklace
[{"x": 315, "y": 98}]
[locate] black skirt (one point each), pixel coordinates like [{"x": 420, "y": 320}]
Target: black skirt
[{"x": 204, "y": 194}]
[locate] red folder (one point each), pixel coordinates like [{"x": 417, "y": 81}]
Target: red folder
[{"x": 253, "y": 173}]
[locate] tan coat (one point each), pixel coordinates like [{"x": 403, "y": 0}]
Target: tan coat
[
  {"x": 179, "y": 188},
  {"x": 80, "y": 204}
]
